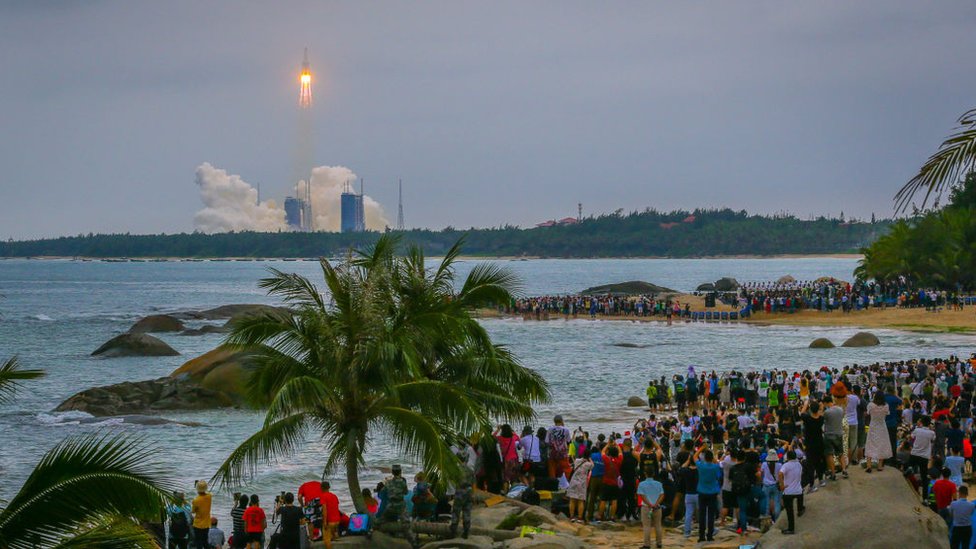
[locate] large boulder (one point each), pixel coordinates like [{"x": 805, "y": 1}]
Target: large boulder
[
  {"x": 706, "y": 287},
  {"x": 862, "y": 339},
  {"x": 636, "y": 402},
  {"x": 223, "y": 369},
  {"x": 785, "y": 279},
  {"x": 236, "y": 310},
  {"x": 879, "y": 510},
  {"x": 378, "y": 540},
  {"x": 726, "y": 284},
  {"x": 472, "y": 542},
  {"x": 157, "y": 323},
  {"x": 634, "y": 287},
  {"x": 205, "y": 330},
  {"x": 142, "y": 397},
  {"x": 545, "y": 541},
  {"x": 821, "y": 343},
  {"x": 134, "y": 345}
]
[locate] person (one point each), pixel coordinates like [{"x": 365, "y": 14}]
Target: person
[
  {"x": 791, "y": 484},
  {"x": 651, "y": 493},
  {"x": 255, "y": 523},
  {"x": 610, "y": 491},
  {"x": 508, "y": 443},
  {"x": 891, "y": 420},
  {"x": 577, "y": 488},
  {"x": 557, "y": 440},
  {"x": 330, "y": 514},
  {"x": 594, "y": 486},
  {"x": 961, "y": 511},
  {"x": 239, "y": 535},
  {"x": 201, "y": 514},
  {"x": 944, "y": 491},
  {"x": 770, "y": 485},
  {"x": 729, "y": 501},
  {"x": 627, "y": 506},
  {"x": 813, "y": 436},
  {"x": 394, "y": 506},
  {"x": 833, "y": 438},
  {"x": 877, "y": 448},
  {"x": 709, "y": 486},
  {"x": 372, "y": 505},
  {"x": 688, "y": 484},
  {"x": 180, "y": 518},
  {"x": 292, "y": 519},
  {"x": 922, "y": 438},
  {"x": 955, "y": 462},
  {"x": 215, "y": 536},
  {"x": 463, "y": 499}
]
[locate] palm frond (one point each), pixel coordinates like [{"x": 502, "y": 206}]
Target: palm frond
[
  {"x": 11, "y": 374},
  {"x": 79, "y": 481},
  {"x": 109, "y": 532},
  {"x": 488, "y": 284},
  {"x": 955, "y": 157},
  {"x": 274, "y": 440},
  {"x": 292, "y": 288}
]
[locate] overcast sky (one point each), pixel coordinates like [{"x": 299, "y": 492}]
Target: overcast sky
[{"x": 491, "y": 112}]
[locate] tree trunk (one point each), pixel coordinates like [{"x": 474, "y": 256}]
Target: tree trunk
[{"x": 352, "y": 478}]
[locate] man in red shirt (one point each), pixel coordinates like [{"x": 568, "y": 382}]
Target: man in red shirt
[
  {"x": 255, "y": 522},
  {"x": 330, "y": 515},
  {"x": 307, "y": 493},
  {"x": 945, "y": 491}
]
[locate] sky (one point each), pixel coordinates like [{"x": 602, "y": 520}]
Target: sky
[{"x": 492, "y": 113}]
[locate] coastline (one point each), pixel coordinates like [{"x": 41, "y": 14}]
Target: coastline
[{"x": 463, "y": 257}]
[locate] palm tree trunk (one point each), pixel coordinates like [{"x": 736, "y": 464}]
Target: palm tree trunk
[{"x": 352, "y": 478}]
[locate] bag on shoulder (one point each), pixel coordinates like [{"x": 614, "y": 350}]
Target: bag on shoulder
[
  {"x": 359, "y": 524},
  {"x": 741, "y": 485},
  {"x": 179, "y": 527}
]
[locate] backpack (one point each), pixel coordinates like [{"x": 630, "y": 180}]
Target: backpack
[
  {"x": 313, "y": 512},
  {"x": 359, "y": 525},
  {"x": 179, "y": 527},
  {"x": 741, "y": 484},
  {"x": 530, "y": 496}
]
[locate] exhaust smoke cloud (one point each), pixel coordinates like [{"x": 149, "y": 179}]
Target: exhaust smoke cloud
[{"x": 231, "y": 204}]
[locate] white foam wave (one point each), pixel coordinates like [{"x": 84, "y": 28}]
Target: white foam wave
[
  {"x": 71, "y": 417},
  {"x": 43, "y": 317}
]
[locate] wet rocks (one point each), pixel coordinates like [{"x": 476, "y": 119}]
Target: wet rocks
[
  {"x": 156, "y": 324},
  {"x": 130, "y": 344},
  {"x": 821, "y": 343},
  {"x": 862, "y": 339},
  {"x": 636, "y": 402}
]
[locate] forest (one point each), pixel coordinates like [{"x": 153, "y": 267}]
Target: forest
[{"x": 644, "y": 233}]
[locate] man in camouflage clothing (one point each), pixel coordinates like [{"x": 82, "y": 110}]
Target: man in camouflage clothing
[
  {"x": 462, "y": 502},
  {"x": 394, "y": 498}
]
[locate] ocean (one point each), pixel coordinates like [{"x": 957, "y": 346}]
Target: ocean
[{"x": 54, "y": 313}]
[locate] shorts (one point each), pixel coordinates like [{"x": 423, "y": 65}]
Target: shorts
[
  {"x": 729, "y": 501},
  {"x": 610, "y": 492},
  {"x": 713, "y": 397},
  {"x": 862, "y": 436},
  {"x": 255, "y": 537},
  {"x": 852, "y": 437},
  {"x": 833, "y": 445}
]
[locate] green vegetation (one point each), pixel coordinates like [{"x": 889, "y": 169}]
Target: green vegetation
[
  {"x": 647, "y": 233},
  {"x": 396, "y": 352},
  {"x": 955, "y": 157},
  {"x": 936, "y": 249},
  {"x": 11, "y": 374}
]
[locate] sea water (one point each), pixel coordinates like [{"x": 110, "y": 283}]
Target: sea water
[{"x": 54, "y": 313}]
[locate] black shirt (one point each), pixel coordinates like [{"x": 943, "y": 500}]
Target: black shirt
[
  {"x": 688, "y": 480},
  {"x": 291, "y": 517}
]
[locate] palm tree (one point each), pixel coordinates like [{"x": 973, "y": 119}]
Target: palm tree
[
  {"x": 395, "y": 351},
  {"x": 954, "y": 159},
  {"x": 88, "y": 491},
  {"x": 11, "y": 374}
]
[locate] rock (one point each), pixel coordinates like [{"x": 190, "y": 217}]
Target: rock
[
  {"x": 540, "y": 514},
  {"x": 821, "y": 343},
  {"x": 629, "y": 345},
  {"x": 157, "y": 323},
  {"x": 545, "y": 541},
  {"x": 230, "y": 311},
  {"x": 636, "y": 402},
  {"x": 634, "y": 287},
  {"x": 862, "y": 339},
  {"x": 378, "y": 540},
  {"x": 473, "y": 542},
  {"x": 706, "y": 287},
  {"x": 135, "y": 345},
  {"x": 204, "y": 330},
  {"x": 785, "y": 279},
  {"x": 141, "y": 397},
  {"x": 882, "y": 500},
  {"x": 726, "y": 284},
  {"x": 491, "y": 517}
]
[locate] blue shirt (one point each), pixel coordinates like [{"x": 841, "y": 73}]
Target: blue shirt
[
  {"x": 894, "y": 416},
  {"x": 597, "y": 470},
  {"x": 651, "y": 489},
  {"x": 709, "y": 478},
  {"x": 962, "y": 512}
]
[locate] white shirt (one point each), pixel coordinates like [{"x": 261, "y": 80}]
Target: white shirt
[
  {"x": 792, "y": 474},
  {"x": 922, "y": 447},
  {"x": 851, "y": 411},
  {"x": 530, "y": 448}
]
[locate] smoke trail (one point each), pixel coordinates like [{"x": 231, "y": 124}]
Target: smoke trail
[
  {"x": 231, "y": 204},
  {"x": 327, "y": 184}
]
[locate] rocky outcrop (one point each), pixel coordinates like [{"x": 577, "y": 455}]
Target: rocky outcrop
[
  {"x": 726, "y": 284},
  {"x": 706, "y": 287},
  {"x": 156, "y": 324},
  {"x": 881, "y": 505},
  {"x": 216, "y": 379},
  {"x": 821, "y": 343},
  {"x": 635, "y": 402},
  {"x": 141, "y": 397},
  {"x": 135, "y": 345},
  {"x": 862, "y": 339},
  {"x": 232, "y": 311},
  {"x": 634, "y": 287},
  {"x": 785, "y": 279},
  {"x": 627, "y": 345}
]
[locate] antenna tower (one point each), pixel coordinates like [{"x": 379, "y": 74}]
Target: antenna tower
[{"x": 400, "y": 209}]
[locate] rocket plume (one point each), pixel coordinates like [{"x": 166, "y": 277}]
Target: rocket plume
[{"x": 305, "y": 84}]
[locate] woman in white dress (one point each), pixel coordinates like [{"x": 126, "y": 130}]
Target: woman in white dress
[
  {"x": 878, "y": 447},
  {"x": 576, "y": 492}
]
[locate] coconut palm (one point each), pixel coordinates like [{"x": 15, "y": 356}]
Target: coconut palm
[
  {"x": 954, "y": 159},
  {"x": 394, "y": 352},
  {"x": 89, "y": 491},
  {"x": 11, "y": 374}
]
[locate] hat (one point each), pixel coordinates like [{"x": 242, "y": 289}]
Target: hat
[
  {"x": 772, "y": 456},
  {"x": 201, "y": 486},
  {"x": 626, "y": 433}
]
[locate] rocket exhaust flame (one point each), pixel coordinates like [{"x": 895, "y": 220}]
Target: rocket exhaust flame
[{"x": 305, "y": 84}]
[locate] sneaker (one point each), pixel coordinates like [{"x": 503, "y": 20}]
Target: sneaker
[
  {"x": 844, "y": 474},
  {"x": 788, "y": 532},
  {"x": 832, "y": 477},
  {"x": 800, "y": 512},
  {"x": 814, "y": 488},
  {"x": 823, "y": 483}
]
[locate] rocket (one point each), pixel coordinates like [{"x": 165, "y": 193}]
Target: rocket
[{"x": 305, "y": 84}]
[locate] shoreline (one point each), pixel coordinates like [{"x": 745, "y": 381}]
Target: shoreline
[{"x": 463, "y": 257}]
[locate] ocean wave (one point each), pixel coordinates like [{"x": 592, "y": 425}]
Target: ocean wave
[
  {"x": 71, "y": 417},
  {"x": 42, "y": 316}
]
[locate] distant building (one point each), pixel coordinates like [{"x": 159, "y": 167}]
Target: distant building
[
  {"x": 353, "y": 219},
  {"x": 294, "y": 207}
]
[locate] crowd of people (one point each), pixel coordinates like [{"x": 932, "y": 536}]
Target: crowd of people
[
  {"x": 574, "y": 306},
  {"x": 716, "y": 447},
  {"x": 828, "y": 294}
]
